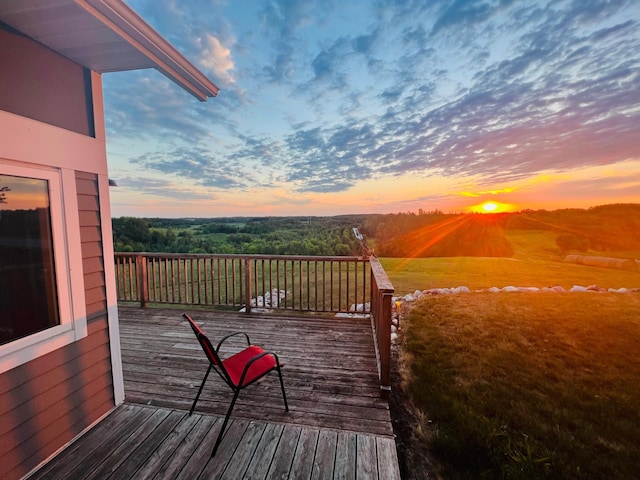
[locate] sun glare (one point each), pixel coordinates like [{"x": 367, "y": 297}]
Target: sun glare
[{"x": 491, "y": 207}]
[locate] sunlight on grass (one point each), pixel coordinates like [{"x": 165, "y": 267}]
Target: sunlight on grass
[{"x": 528, "y": 385}]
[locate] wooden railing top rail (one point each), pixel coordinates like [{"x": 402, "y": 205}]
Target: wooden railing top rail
[
  {"x": 310, "y": 258},
  {"x": 382, "y": 280}
]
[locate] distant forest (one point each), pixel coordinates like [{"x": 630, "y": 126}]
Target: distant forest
[{"x": 423, "y": 234}]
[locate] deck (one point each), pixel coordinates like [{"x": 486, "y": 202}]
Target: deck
[{"x": 337, "y": 426}]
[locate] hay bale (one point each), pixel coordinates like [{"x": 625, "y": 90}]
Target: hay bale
[{"x": 603, "y": 262}]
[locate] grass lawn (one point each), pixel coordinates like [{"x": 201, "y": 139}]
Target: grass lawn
[
  {"x": 527, "y": 385},
  {"x": 536, "y": 263}
]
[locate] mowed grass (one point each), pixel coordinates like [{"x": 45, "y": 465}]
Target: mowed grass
[
  {"x": 527, "y": 385},
  {"x": 536, "y": 263}
]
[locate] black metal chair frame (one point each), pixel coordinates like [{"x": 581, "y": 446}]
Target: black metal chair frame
[{"x": 217, "y": 364}]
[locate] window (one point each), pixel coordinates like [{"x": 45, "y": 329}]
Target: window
[
  {"x": 28, "y": 292},
  {"x": 41, "y": 283}
]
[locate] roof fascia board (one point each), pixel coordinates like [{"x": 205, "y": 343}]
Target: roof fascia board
[{"x": 130, "y": 26}]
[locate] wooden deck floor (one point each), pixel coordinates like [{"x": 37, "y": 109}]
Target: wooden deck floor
[
  {"x": 330, "y": 371},
  {"x": 141, "y": 442},
  {"x": 337, "y": 427}
]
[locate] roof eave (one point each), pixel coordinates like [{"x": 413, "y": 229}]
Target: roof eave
[{"x": 121, "y": 19}]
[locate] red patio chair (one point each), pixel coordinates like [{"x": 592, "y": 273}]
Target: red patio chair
[{"x": 238, "y": 371}]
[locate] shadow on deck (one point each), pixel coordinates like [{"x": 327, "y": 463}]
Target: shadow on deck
[{"x": 337, "y": 427}]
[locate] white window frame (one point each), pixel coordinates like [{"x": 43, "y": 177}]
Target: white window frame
[{"x": 65, "y": 230}]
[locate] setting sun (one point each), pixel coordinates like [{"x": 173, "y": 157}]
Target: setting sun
[{"x": 489, "y": 206}]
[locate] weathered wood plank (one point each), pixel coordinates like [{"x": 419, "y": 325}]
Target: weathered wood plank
[
  {"x": 151, "y": 444},
  {"x": 237, "y": 466},
  {"x": 74, "y": 455},
  {"x": 104, "y": 449},
  {"x": 302, "y": 465},
  {"x": 345, "y": 467},
  {"x": 118, "y": 456},
  {"x": 325, "y": 457},
  {"x": 197, "y": 460},
  {"x": 283, "y": 456},
  {"x": 387, "y": 459},
  {"x": 261, "y": 461},
  {"x": 366, "y": 462},
  {"x": 215, "y": 466},
  {"x": 158, "y": 457}
]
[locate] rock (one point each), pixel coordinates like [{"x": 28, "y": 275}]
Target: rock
[
  {"x": 578, "y": 288},
  {"x": 394, "y": 338},
  {"x": 510, "y": 288},
  {"x": 359, "y": 307},
  {"x": 493, "y": 290}
]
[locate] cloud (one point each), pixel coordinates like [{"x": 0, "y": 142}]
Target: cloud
[
  {"x": 159, "y": 188},
  {"x": 199, "y": 166},
  {"x": 216, "y": 58}
]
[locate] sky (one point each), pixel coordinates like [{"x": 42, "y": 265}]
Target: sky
[{"x": 381, "y": 106}]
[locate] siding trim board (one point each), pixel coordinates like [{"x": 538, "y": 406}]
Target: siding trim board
[{"x": 111, "y": 292}]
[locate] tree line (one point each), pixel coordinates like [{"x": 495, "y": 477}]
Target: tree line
[
  {"x": 407, "y": 234},
  {"x": 262, "y": 235}
]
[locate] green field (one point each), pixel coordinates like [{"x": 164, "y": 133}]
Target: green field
[
  {"x": 536, "y": 263},
  {"x": 523, "y": 385},
  {"x": 527, "y": 385}
]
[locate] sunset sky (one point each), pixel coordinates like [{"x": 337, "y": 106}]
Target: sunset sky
[{"x": 381, "y": 106}]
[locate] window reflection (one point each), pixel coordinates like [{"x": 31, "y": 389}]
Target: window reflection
[{"x": 28, "y": 298}]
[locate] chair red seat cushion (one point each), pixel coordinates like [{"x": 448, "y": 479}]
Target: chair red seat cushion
[{"x": 236, "y": 363}]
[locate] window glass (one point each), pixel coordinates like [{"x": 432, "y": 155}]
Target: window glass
[{"x": 28, "y": 293}]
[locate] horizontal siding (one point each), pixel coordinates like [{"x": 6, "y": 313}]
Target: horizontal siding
[
  {"x": 88, "y": 218},
  {"x": 93, "y": 280},
  {"x": 91, "y": 250},
  {"x": 55, "y": 396},
  {"x": 56, "y": 435},
  {"x": 45, "y": 403},
  {"x": 87, "y": 202},
  {"x": 17, "y": 384},
  {"x": 96, "y": 311},
  {"x": 90, "y": 234},
  {"x": 93, "y": 265}
]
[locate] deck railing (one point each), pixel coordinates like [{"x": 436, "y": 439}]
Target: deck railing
[{"x": 272, "y": 282}]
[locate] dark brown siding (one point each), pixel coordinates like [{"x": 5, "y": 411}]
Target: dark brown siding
[
  {"x": 45, "y": 403},
  {"x": 38, "y": 83}
]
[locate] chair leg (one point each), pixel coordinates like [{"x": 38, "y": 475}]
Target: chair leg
[
  {"x": 284, "y": 396},
  {"x": 224, "y": 424},
  {"x": 206, "y": 375}
]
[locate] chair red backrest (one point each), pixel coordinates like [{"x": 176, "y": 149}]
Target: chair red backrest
[{"x": 205, "y": 343}]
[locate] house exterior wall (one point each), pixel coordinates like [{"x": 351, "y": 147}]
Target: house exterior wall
[
  {"x": 43, "y": 85},
  {"x": 51, "y": 393}
]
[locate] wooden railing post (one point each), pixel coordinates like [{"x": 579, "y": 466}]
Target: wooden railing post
[
  {"x": 248, "y": 283},
  {"x": 384, "y": 344},
  {"x": 142, "y": 280},
  {"x": 381, "y": 296}
]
